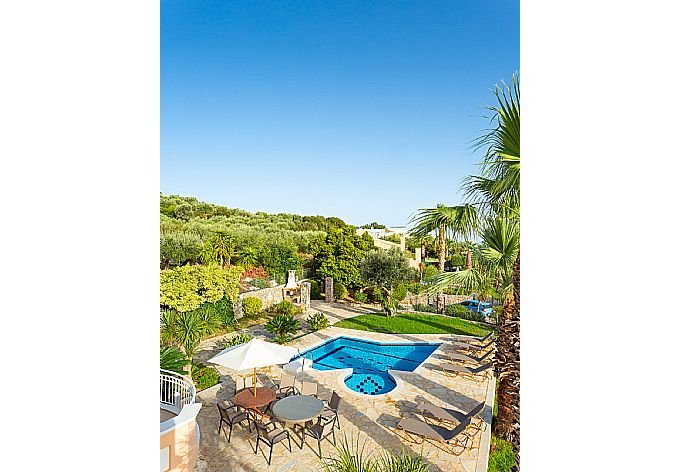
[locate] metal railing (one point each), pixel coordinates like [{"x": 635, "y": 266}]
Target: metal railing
[{"x": 175, "y": 389}]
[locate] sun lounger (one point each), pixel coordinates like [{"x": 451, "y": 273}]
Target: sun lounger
[
  {"x": 470, "y": 359},
  {"x": 479, "y": 341},
  {"x": 453, "y": 417},
  {"x": 463, "y": 346},
  {"x": 448, "y": 440},
  {"x": 471, "y": 373}
]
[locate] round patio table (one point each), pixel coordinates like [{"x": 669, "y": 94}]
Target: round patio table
[
  {"x": 246, "y": 399},
  {"x": 297, "y": 408}
]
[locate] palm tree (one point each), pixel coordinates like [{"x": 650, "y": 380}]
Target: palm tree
[
  {"x": 248, "y": 257},
  {"x": 443, "y": 221},
  {"x": 186, "y": 330},
  {"x": 495, "y": 197},
  {"x": 172, "y": 359},
  {"x": 218, "y": 249}
]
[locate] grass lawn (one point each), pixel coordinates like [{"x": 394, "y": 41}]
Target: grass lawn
[{"x": 413, "y": 323}]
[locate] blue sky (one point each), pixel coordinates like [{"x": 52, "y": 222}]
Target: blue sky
[{"x": 361, "y": 110}]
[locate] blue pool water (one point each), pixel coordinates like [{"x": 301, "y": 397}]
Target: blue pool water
[{"x": 369, "y": 361}]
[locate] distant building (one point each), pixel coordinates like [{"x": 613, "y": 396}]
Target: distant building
[{"x": 378, "y": 234}]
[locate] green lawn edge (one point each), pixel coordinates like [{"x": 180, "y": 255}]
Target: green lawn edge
[{"x": 413, "y": 323}]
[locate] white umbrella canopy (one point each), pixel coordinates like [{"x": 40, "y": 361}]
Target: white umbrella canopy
[{"x": 252, "y": 355}]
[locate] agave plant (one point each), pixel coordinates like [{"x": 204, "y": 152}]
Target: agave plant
[{"x": 282, "y": 326}]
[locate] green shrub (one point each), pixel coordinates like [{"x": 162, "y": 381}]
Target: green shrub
[
  {"x": 359, "y": 297},
  {"x": 358, "y": 458},
  {"x": 339, "y": 291},
  {"x": 429, "y": 272},
  {"x": 501, "y": 456},
  {"x": 238, "y": 339},
  {"x": 282, "y": 326},
  {"x": 225, "y": 310},
  {"x": 251, "y": 306},
  {"x": 315, "y": 290},
  {"x": 400, "y": 292},
  {"x": 286, "y": 307},
  {"x": 204, "y": 376},
  {"x": 424, "y": 307},
  {"x": 460, "y": 311},
  {"x": 458, "y": 260},
  {"x": 318, "y": 321},
  {"x": 188, "y": 287},
  {"x": 376, "y": 295},
  {"x": 405, "y": 462},
  {"x": 260, "y": 283},
  {"x": 414, "y": 288}
]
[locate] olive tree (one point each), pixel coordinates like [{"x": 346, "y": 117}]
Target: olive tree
[{"x": 386, "y": 269}]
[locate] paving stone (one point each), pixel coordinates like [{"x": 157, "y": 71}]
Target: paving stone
[{"x": 372, "y": 419}]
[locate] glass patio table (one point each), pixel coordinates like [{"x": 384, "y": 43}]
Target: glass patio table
[{"x": 297, "y": 409}]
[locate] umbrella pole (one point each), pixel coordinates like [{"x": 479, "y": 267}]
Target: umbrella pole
[{"x": 255, "y": 381}]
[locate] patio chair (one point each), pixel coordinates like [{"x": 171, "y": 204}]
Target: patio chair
[
  {"x": 319, "y": 431},
  {"x": 309, "y": 388},
  {"x": 453, "y": 417},
  {"x": 331, "y": 408},
  {"x": 469, "y": 359},
  {"x": 471, "y": 373},
  {"x": 448, "y": 440},
  {"x": 244, "y": 382},
  {"x": 231, "y": 416},
  {"x": 270, "y": 433},
  {"x": 286, "y": 386}
]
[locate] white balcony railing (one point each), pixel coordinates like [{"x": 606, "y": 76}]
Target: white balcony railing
[{"x": 176, "y": 390}]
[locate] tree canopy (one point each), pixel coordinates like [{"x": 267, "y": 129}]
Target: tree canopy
[{"x": 338, "y": 254}]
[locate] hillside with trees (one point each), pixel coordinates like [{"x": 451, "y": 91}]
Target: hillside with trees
[{"x": 194, "y": 232}]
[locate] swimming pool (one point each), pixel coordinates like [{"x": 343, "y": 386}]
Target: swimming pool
[{"x": 369, "y": 361}]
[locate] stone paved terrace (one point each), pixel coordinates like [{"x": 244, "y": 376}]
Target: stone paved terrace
[{"x": 371, "y": 417}]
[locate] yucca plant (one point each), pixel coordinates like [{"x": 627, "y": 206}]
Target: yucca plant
[
  {"x": 349, "y": 459},
  {"x": 403, "y": 462},
  {"x": 355, "y": 458}
]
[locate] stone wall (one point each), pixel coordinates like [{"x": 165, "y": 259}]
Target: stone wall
[
  {"x": 272, "y": 296},
  {"x": 443, "y": 299}
]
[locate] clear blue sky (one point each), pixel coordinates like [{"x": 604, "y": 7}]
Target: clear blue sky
[{"x": 361, "y": 110}]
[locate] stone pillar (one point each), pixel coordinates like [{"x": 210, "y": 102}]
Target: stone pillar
[
  {"x": 305, "y": 294},
  {"x": 402, "y": 242},
  {"x": 418, "y": 255},
  {"x": 329, "y": 290}
]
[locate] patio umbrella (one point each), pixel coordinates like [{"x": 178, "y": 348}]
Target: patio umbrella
[{"x": 253, "y": 354}]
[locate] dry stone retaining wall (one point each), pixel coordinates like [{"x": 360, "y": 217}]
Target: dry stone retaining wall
[{"x": 272, "y": 296}]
